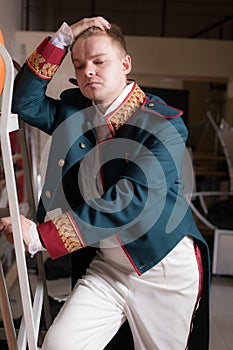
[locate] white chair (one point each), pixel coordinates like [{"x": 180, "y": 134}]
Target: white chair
[
  {"x": 28, "y": 334},
  {"x": 223, "y": 237},
  {"x": 224, "y": 134}
]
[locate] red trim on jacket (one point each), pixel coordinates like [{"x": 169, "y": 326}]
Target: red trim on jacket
[
  {"x": 178, "y": 113},
  {"x": 127, "y": 254},
  {"x": 200, "y": 287}
]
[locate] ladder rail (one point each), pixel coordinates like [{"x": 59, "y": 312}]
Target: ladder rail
[
  {"x": 9, "y": 122},
  {"x": 6, "y": 314}
]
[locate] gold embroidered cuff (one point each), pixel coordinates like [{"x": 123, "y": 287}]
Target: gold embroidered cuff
[
  {"x": 68, "y": 232},
  {"x": 46, "y": 59},
  {"x": 61, "y": 236}
]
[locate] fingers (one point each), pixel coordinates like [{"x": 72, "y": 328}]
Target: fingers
[
  {"x": 4, "y": 222},
  {"x": 26, "y": 226},
  {"x": 9, "y": 235},
  {"x": 100, "y": 22},
  {"x": 85, "y": 23},
  {"x": 6, "y": 228}
]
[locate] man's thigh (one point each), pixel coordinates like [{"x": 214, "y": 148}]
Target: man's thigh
[
  {"x": 162, "y": 301},
  {"x": 89, "y": 319}
]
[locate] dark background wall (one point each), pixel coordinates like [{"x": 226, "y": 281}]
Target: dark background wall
[{"x": 169, "y": 18}]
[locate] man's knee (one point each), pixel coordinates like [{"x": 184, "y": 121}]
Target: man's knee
[{"x": 55, "y": 339}]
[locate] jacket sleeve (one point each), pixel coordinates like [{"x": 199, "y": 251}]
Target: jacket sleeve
[
  {"x": 29, "y": 99},
  {"x": 132, "y": 205}
]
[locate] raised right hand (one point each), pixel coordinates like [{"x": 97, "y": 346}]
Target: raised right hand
[{"x": 85, "y": 23}]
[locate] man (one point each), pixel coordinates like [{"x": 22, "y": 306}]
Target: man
[{"x": 115, "y": 174}]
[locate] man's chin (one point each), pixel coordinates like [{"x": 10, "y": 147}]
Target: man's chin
[
  {"x": 93, "y": 96},
  {"x": 90, "y": 93}
]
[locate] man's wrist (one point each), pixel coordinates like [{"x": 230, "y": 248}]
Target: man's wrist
[
  {"x": 35, "y": 244},
  {"x": 64, "y": 37}
]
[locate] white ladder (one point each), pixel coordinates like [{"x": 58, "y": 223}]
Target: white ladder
[{"x": 27, "y": 337}]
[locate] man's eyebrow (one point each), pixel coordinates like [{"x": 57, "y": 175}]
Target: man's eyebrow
[{"x": 94, "y": 56}]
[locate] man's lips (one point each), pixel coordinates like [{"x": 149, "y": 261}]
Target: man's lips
[{"x": 92, "y": 83}]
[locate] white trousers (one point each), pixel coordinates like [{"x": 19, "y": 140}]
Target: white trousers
[{"x": 159, "y": 304}]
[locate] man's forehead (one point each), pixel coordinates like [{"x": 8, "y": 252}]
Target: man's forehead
[
  {"x": 77, "y": 59},
  {"x": 103, "y": 47}
]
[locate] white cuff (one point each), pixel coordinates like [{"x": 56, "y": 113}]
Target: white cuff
[
  {"x": 35, "y": 244},
  {"x": 63, "y": 38}
]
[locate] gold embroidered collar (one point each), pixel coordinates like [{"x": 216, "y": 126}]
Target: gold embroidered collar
[{"x": 126, "y": 109}]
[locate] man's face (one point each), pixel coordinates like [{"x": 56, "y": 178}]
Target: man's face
[{"x": 100, "y": 68}]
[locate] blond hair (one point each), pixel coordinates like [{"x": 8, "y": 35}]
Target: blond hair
[{"x": 114, "y": 32}]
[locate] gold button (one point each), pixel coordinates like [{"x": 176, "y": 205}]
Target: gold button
[
  {"x": 48, "y": 194},
  {"x": 82, "y": 145},
  {"x": 151, "y": 104},
  {"x": 61, "y": 163}
]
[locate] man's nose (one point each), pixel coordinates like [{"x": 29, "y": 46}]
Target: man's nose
[{"x": 89, "y": 71}]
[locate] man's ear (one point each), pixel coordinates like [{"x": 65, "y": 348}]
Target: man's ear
[{"x": 127, "y": 64}]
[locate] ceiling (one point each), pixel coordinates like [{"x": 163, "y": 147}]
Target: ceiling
[{"x": 212, "y": 19}]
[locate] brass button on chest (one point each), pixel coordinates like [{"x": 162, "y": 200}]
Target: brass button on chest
[
  {"x": 48, "y": 194},
  {"x": 61, "y": 163}
]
